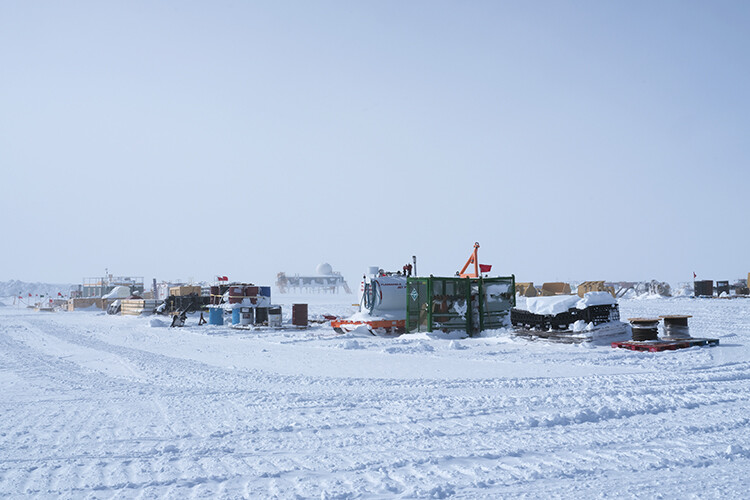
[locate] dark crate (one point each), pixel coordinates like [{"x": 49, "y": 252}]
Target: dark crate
[
  {"x": 519, "y": 317},
  {"x": 600, "y": 314},
  {"x": 299, "y": 315},
  {"x": 187, "y": 303},
  {"x": 592, "y": 314},
  {"x": 704, "y": 288},
  {"x": 563, "y": 320},
  {"x": 261, "y": 315}
]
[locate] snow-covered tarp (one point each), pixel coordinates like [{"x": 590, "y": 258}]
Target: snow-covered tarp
[
  {"x": 557, "y": 304},
  {"x": 118, "y": 292},
  {"x": 595, "y": 299}
]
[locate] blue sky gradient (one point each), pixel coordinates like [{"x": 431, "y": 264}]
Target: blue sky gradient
[{"x": 574, "y": 140}]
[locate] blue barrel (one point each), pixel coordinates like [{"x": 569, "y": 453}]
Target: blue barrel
[
  {"x": 215, "y": 316},
  {"x": 236, "y": 316}
]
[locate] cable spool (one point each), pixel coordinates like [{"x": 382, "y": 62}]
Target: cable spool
[
  {"x": 644, "y": 329},
  {"x": 676, "y": 326}
]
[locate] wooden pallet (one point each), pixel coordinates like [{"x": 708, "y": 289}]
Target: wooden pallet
[
  {"x": 602, "y": 332},
  {"x": 565, "y": 336},
  {"x": 664, "y": 345}
]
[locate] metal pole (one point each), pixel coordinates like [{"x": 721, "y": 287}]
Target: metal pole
[{"x": 414, "y": 258}]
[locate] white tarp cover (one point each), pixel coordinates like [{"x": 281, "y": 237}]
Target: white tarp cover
[
  {"x": 557, "y": 304},
  {"x": 554, "y": 304},
  {"x": 118, "y": 292},
  {"x": 595, "y": 299}
]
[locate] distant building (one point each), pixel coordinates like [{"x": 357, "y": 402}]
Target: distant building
[
  {"x": 98, "y": 287},
  {"x": 326, "y": 280}
]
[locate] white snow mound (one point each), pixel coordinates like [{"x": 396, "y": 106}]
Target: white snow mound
[{"x": 118, "y": 292}]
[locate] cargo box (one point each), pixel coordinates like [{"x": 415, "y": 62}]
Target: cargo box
[
  {"x": 526, "y": 289},
  {"x": 555, "y": 288},
  {"x": 180, "y": 291},
  {"x": 135, "y": 307}
]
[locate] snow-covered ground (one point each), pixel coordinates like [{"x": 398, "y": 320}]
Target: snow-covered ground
[{"x": 97, "y": 406}]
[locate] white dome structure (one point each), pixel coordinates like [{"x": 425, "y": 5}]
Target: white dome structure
[
  {"x": 324, "y": 269},
  {"x": 325, "y": 280}
]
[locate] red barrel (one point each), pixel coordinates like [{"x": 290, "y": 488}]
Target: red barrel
[
  {"x": 299, "y": 314},
  {"x": 215, "y": 295},
  {"x": 252, "y": 291},
  {"x": 236, "y": 294}
]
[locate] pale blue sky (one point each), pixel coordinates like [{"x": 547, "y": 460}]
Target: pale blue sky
[{"x": 573, "y": 140}]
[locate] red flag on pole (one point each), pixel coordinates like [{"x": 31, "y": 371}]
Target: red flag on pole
[
  {"x": 694, "y": 275},
  {"x": 485, "y": 268}
]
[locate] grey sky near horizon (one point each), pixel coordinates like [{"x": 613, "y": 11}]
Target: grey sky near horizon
[{"x": 573, "y": 140}]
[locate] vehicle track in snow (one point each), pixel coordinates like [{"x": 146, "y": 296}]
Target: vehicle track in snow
[{"x": 172, "y": 425}]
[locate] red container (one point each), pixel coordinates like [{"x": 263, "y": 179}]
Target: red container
[
  {"x": 215, "y": 295},
  {"x": 299, "y": 314},
  {"x": 236, "y": 294},
  {"x": 252, "y": 291}
]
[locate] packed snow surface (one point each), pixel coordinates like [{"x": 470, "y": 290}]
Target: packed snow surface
[{"x": 97, "y": 406}]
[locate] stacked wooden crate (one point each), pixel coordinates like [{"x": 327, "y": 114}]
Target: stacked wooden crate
[
  {"x": 86, "y": 302},
  {"x": 135, "y": 307},
  {"x": 594, "y": 286},
  {"x": 526, "y": 289},
  {"x": 555, "y": 288}
]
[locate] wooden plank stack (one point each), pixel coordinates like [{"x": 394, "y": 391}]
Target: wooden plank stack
[{"x": 135, "y": 307}]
